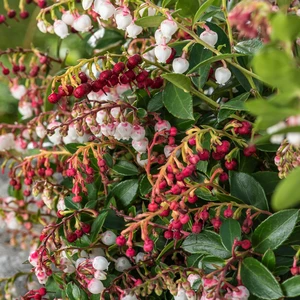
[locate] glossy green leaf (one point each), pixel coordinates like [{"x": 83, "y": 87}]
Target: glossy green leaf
[
  {"x": 145, "y": 186},
  {"x": 206, "y": 242},
  {"x": 291, "y": 287},
  {"x": 211, "y": 262},
  {"x": 249, "y": 47},
  {"x": 125, "y": 192},
  {"x": 246, "y": 188},
  {"x": 229, "y": 231},
  {"x": 269, "y": 260},
  {"x": 259, "y": 280},
  {"x": 197, "y": 55},
  {"x": 155, "y": 102},
  {"x": 178, "y": 102},
  {"x": 268, "y": 180},
  {"x": 202, "y": 9},
  {"x": 151, "y": 21},
  {"x": 113, "y": 221},
  {"x": 125, "y": 168},
  {"x": 287, "y": 186},
  {"x": 273, "y": 231},
  {"x": 185, "y": 10},
  {"x": 179, "y": 80},
  {"x": 97, "y": 225},
  {"x": 73, "y": 147}
]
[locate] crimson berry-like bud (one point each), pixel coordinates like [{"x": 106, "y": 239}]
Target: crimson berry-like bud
[
  {"x": 71, "y": 172},
  {"x": 135, "y": 60},
  {"x": 24, "y": 14},
  {"x": 138, "y": 282},
  {"x": 119, "y": 67},
  {"x": 204, "y": 154},
  {"x": 49, "y": 172},
  {"x": 83, "y": 77},
  {"x": 54, "y": 98},
  {"x": 120, "y": 240},
  {"x": 194, "y": 159},
  {"x": 174, "y": 205},
  {"x": 37, "y": 297},
  {"x": 192, "y": 199},
  {"x": 216, "y": 222},
  {"x": 165, "y": 213},
  {"x": 228, "y": 213},
  {"x": 223, "y": 148},
  {"x": 294, "y": 270},
  {"x": 11, "y": 14},
  {"x": 223, "y": 177},
  {"x": 71, "y": 237},
  {"x": 204, "y": 215},
  {"x": 79, "y": 233},
  {"x": 130, "y": 252},
  {"x": 105, "y": 75},
  {"x": 176, "y": 224},
  {"x": 246, "y": 244},
  {"x": 5, "y": 71},
  {"x": 42, "y": 291},
  {"x": 245, "y": 129},
  {"x": 177, "y": 235},
  {"x": 175, "y": 189},
  {"x": 59, "y": 215},
  {"x": 82, "y": 90},
  {"x": 153, "y": 207},
  {"x": 197, "y": 227},
  {"x": 77, "y": 199},
  {"x": 68, "y": 92},
  {"x": 168, "y": 234},
  {"x": 148, "y": 245},
  {"x": 86, "y": 228},
  {"x": 42, "y": 3},
  {"x": 158, "y": 82},
  {"x": 231, "y": 165},
  {"x": 184, "y": 219},
  {"x": 250, "y": 150},
  {"x": 2, "y": 19}
]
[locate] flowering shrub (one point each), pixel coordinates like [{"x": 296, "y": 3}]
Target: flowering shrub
[{"x": 159, "y": 166}]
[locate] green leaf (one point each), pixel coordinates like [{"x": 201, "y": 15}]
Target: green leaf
[
  {"x": 249, "y": 47},
  {"x": 155, "y": 103},
  {"x": 151, "y": 21},
  {"x": 211, "y": 262},
  {"x": 70, "y": 204},
  {"x": 113, "y": 221},
  {"x": 269, "y": 60},
  {"x": 179, "y": 80},
  {"x": 229, "y": 231},
  {"x": 259, "y": 280},
  {"x": 125, "y": 192},
  {"x": 125, "y": 168},
  {"x": 285, "y": 194},
  {"x": 269, "y": 260},
  {"x": 197, "y": 55},
  {"x": 73, "y": 291},
  {"x": 268, "y": 180},
  {"x": 202, "y": 9},
  {"x": 213, "y": 59},
  {"x": 145, "y": 186},
  {"x": 97, "y": 225},
  {"x": 291, "y": 287},
  {"x": 178, "y": 102},
  {"x": 273, "y": 231},
  {"x": 206, "y": 242},
  {"x": 193, "y": 260},
  {"x": 73, "y": 147},
  {"x": 108, "y": 159},
  {"x": 246, "y": 188},
  {"x": 185, "y": 10},
  {"x": 285, "y": 27}
]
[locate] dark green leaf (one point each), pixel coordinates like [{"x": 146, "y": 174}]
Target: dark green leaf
[
  {"x": 70, "y": 204},
  {"x": 259, "y": 280},
  {"x": 97, "y": 225},
  {"x": 206, "y": 242},
  {"x": 145, "y": 186},
  {"x": 268, "y": 180},
  {"x": 73, "y": 147},
  {"x": 151, "y": 21},
  {"x": 211, "y": 262},
  {"x": 273, "y": 231},
  {"x": 202, "y": 9},
  {"x": 155, "y": 103},
  {"x": 125, "y": 192},
  {"x": 229, "y": 231},
  {"x": 249, "y": 47},
  {"x": 246, "y": 188},
  {"x": 108, "y": 159},
  {"x": 236, "y": 103},
  {"x": 193, "y": 260},
  {"x": 197, "y": 55},
  {"x": 112, "y": 221},
  {"x": 179, "y": 80},
  {"x": 178, "y": 102},
  {"x": 125, "y": 168},
  {"x": 291, "y": 287},
  {"x": 269, "y": 260},
  {"x": 185, "y": 10},
  {"x": 287, "y": 186}
]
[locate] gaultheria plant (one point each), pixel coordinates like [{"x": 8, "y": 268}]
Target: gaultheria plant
[{"x": 157, "y": 165}]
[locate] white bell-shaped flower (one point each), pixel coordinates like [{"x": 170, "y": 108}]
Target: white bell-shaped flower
[
  {"x": 168, "y": 27},
  {"x": 95, "y": 286},
  {"x": 141, "y": 145},
  {"x": 122, "y": 264},
  {"x": 83, "y": 23},
  {"x": 61, "y": 29},
  {"x": 124, "y": 130},
  {"x": 108, "y": 238},
  {"x": 180, "y": 295},
  {"x": 180, "y": 65},
  {"x": 86, "y": 4},
  {"x": 55, "y": 138},
  {"x": 162, "y": 53},
  {"x": 100, "y": 263},
  {"x": 150, "y": 11},
  {"x": 209, "y": 37},
  {"x": 42, "y": 26},
  {"x": 138, "y": 133},
  {"x": 133, "y": 30},
  {"x": 222, "y": 75},
  {"x": 68, "y": 18},
  {"x": 160, "y": 38},
  {"x": 104, "y": 8},
  {"x": 123, "y": 18},
  {"x": 18, "y": 91},
  {"x": 25, "y": 109}
]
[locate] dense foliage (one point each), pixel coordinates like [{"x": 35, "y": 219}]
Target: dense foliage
[{"x": 163, "y": 165}]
